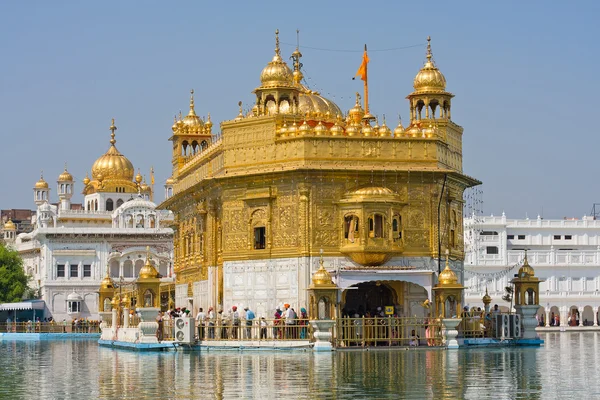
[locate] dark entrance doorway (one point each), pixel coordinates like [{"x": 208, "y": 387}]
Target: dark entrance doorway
[{"x": 368, "y": 296}]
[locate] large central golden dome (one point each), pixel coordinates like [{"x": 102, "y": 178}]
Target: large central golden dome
[{"x": 113, "y": 164}]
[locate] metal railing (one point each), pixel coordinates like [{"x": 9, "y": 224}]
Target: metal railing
[
  {"x": 475, "y": 326},
  {"x": 387, "y": 331},
  {"x": 258, "y": 329},
  {"x": 50, "y": 327}
]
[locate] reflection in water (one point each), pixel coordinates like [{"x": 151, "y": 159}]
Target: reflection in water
[{"x": 566, "y": 367}]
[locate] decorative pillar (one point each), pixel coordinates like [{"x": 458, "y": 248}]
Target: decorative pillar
[
  {"x": 526, "y": 295},
  {"x": 595, "y": 310},
  {"x": 487, "y": 300},
  {"x": 547, "y": 322},
  {"x": 580, "y": 309},
  {"x": 148, "y": 301},
  {"x": 322, "y": 307},
  {"x": 448, "y": 292}
]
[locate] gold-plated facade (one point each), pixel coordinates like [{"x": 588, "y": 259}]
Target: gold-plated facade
[{"x": 271, "y": 188}]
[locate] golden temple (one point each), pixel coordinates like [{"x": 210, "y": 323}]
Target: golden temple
[{"x": 255, "y": 204}]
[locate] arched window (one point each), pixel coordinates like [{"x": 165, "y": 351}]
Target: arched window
[
  {"x": 109, "y": 205},
  {"x": 148, "y": 298},
  {"x": 376, "y": 226},
  {"x": 204, "y": 145},
  {"x": 397, "y": 228},
  {"x": 351, "y": 228},
  {"x": 96, "y": 205},
  {"x": 119, "y": 203}
]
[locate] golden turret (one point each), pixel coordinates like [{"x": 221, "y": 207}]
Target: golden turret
[
  {"x": 41, "y": 184},
  {"x": 65, "y": 176},
  {"x": 429, "y": 78},
  {"x": 486, "y": 298}
]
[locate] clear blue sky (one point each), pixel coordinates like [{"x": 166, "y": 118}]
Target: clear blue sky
[{"x": 524, "y": 75}]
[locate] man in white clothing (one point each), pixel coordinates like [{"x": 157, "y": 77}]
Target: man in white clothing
[{"x": 200, "y": 323}]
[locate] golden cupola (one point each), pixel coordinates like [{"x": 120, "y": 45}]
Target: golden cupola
[
  {"x": 526, "y": 271},
  {"x": 41, "y": 183},
  {"x": 112, "y": 165},
  {"x": 429, "y": 78},
  {"x": 9, "y": 226},
  {"x": 447, "y": 276},
  {"x": 356, "y": 113},
  {"x": 191, "y": 122},
  {"x": 277, "y": 73},
  {"x": 65, "y": 176}
]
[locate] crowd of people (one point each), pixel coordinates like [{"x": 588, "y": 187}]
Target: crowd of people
[{"x": 240, "y": 324}]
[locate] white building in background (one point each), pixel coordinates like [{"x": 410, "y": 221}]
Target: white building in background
[
  {"x": 564, "y": 253},
  {"x": 72, "y": 247}
]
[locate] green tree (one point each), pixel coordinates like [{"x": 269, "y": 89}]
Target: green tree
[{"x": 13, "y": 281}]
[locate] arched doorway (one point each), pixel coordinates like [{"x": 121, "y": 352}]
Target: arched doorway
[{"x": 368, "y": 297}]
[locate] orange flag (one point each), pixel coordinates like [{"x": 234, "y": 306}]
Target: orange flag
[{"x": 362, "y": 70}]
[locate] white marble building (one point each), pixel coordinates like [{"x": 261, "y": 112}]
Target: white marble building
[
  {"x": 564, "y": 253},
  {"x": 72, "y": 248}
]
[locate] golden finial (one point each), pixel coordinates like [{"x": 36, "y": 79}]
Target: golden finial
[
  {"x": 241, "y": 113},
  {"x": 357, "y": 99},
  {"x": 41, "y": 175},
  {"x": 277, "y": 50},
  {"x": 180, "y": 118},
  {"x": 192, "y": 110},
  {"x": 148, "y": 257},
  {"x": 112, "y": 129},
  {"x": 429, "y": 55}
]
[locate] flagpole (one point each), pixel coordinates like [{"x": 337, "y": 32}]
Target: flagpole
[
  {"x": 366, "y": 84},
  {"x": 367, "y": 115}
]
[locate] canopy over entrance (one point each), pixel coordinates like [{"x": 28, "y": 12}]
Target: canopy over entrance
[{"x": 23, "y": 305}]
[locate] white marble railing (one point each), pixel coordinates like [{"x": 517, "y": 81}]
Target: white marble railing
[
  {"x": 556, "y": 257},
  {"x": 545, "y": 223}
]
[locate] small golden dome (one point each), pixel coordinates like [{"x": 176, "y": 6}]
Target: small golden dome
[
  {"x": 414, "y": 130},
  {"x": 526, "y": 271},
  {"x": 208, "y": 123},
  {"x": 429, "y": 78},
  {"x": 41, "y": 184},
  {"x": 276, "y": 73},
  {"x": 486, "y": 298},
  {"x": 283, "y": 130},
  {"x": 384, "y": 130},
  {"x": 106, "y": 283},
  {"x": 356, "y": 113},
  {"x": 367, "y": 130},
  {"x": 353, "y": 129},
  {"x": 320, "y": 129},
  {"x": 138, "y": 177},
  {"x": 9, "y": 226},
  {"x": 112, "y": 165},
  {"x": 322, "y": 278},
  {"x": 144, "y": 187},
  {"x": 192, "y": 121},
  {"x": 447, "y": 276},
  {"x": 293, "y": 129},
  {"x": 174, "y": 127},
  {"x": 305, "y": 129},
  {"x": 336, "y": 129},
  {"x": 170, "y": 181},
  {"x": 65, "y": 176},
  {"x": 148, "y": 272},
  {"x": 125, "y": 300},
  {"x": 399, "y": 130},
  {"x": 86, "y": 180}
]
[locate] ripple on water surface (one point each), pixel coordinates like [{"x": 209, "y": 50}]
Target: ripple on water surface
[{"x": 566, "y": 367}]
